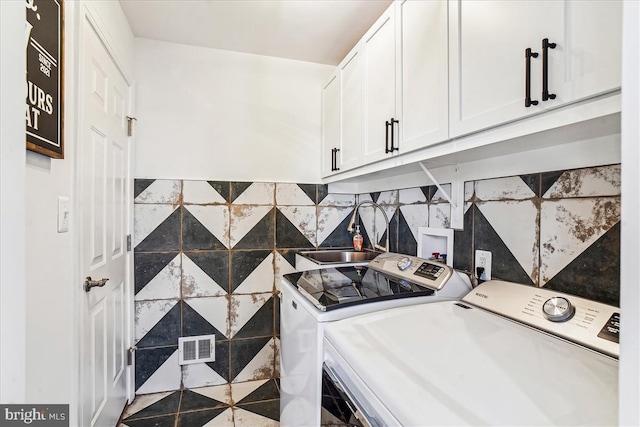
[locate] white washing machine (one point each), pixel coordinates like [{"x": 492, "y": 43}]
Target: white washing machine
[
  {"x": 310, "y": 300},
  {"x": 507, "y": 354}
]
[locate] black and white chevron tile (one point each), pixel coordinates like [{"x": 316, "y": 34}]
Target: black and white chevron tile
[{"x": 209, "y": 255}]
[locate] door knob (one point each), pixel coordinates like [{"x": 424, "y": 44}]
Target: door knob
[{"x": 88, "y": 283}]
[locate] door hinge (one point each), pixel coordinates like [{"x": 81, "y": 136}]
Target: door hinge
[
  {"x": 130, "y": 353},
  {"x": 130, "y": 125},
  {"x": 128, "y": 242}
]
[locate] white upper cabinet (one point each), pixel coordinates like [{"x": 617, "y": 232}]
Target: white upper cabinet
[
  {"x": 488, "y": 63},
  {"x": 379, "y": 73},
  {"x": 342, "y": 116},
  {"x": 587, "y": 58},
  {"x": 405, "y": 79},
  {"x": 423, "y": 68},
  {"x": 350, "y": 69},
  {"x": 330, "y": 124}
]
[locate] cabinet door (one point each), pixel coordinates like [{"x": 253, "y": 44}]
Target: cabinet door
[
  {"x": 379, "y": 69},
  {"x": 487, "y": 60},
  {"x": 330, "y": 122},
  {"x": 350, "y": 154},
  {"x": 423, "y": 68},
  {"x": 587, "y": 58}
]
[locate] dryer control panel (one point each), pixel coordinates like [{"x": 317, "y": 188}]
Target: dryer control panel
[{"x": 589, "y": 323}]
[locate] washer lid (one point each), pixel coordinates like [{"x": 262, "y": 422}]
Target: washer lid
[
  {"x": 450, "y": 363},
  {"x": 333, "y": 288}
]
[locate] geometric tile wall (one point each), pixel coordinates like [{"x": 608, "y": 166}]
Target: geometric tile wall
[
  {"x": 209, "y": 255},
  {"x": 559, "y": 230}
]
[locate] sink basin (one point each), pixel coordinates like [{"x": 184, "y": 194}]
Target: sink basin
[{"x": 339, "y": 256}]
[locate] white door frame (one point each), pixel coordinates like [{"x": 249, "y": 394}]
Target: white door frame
[{"x": 85, "y": 13}]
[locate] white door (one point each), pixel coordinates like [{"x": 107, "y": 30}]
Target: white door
[
  {"x": 379, "y": 68},
  {"x": 330, "y": 124},
  {"x": 587, "y": 58},
  {"x": 350, "y": 155},
  {"x": 487, "y": 42},
  {"x": 104, "y": 185},
  {"x": 423, "y": 68}
]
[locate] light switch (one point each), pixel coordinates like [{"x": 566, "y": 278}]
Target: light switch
[{"x": 64, "y": 214}]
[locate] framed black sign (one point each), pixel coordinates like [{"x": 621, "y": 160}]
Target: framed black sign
[{"x": 45, "y": 77}]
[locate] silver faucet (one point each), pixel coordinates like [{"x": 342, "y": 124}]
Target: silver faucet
[{"x": 350, "y": 227}]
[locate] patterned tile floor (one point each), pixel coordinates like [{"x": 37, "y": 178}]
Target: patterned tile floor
[{"x": 253, "y": 403}]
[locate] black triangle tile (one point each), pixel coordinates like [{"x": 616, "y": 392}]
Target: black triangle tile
[
  {"x": 267, "y": 391},
  {"x": 165, "y": 406},
  {"x": 601, "y": 260},
  {"x": 463, "y": 243},
  {"x": 375, "y": 196},
  {"x": 407, "y": 244},
  {"x": 162, "y": 421},
  {"x": 289, "y": 255},
  {"x": 149, "y": 360},
  {"x": 242, "y": 351},
  {"x": 261, "y": 236},
  {"x": 214, "y": 263},
  {"x": 237, "y": 188},
  {"x": 429, "y": 191},
  {"x": 199, "y": 418},
  {"x": 260, "y": 325},
  {"x": 533, "y": 182},
  {"x": 504, "y": 265},
  {"x": 340, "y": 237},
  {"x": 166, "y": 237},
  {"x": 194, "y": 324},
  {"x": 309, "y": 190},
  {"x": 191, "y": 401},
  {"x": 393, "y": 233},
  {"x": 196, "y": 236},
  {"x": 269, "y": 409},
  {"x": 288, "y": 235},
  {"x": 323, "y": 192},
  {"x": 165, "y": 332},
  {"x": 223, "y": 188},
  {"x": 243, "y": 263},
  {"x": 547, "y": 180},
  {"x": 148, "y": 265},
  {"x": 221, "y": 364},
  {"x": 139, "y": 185}
]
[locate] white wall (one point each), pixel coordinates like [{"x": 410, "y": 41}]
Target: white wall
[
  {"x": 219, "y": 115},
  {"x": 630, "y": 234},
  {"x": 12, "y": 209}
]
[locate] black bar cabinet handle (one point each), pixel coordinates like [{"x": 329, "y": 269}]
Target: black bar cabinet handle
[
  {"x": 336, "y": 159},
  {"x": 333, "y": 150},
  {"x": 393, "y": 147},
  {"x": 545, "y": 70},
  {"x": 386, "y": 137},
  {"x": 528, "y": 102},
  {"x": 333, "y": 161}
]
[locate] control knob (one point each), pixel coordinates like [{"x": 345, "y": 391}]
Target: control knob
[
  {"x": 404, "y": 263},
  {"x": 558, "y": 309}
]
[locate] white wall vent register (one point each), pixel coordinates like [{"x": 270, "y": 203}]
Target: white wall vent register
[{"x": 197, "y": 349}]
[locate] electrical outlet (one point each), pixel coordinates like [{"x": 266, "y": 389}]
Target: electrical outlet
[{"x": 483, "y": 259}]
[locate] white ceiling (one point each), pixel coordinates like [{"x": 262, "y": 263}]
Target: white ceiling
[{"x": 321, "y": 31}]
